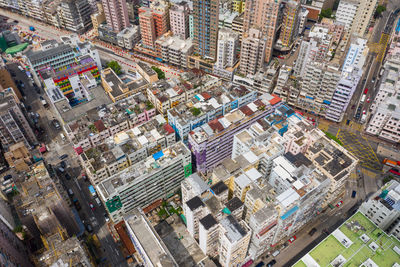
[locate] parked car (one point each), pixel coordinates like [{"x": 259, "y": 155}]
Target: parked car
[
  {"x": 7, "y": 177},
  {"x": 92, "y": 206},
  {"x": 353, "y": 194},
  {"x": 312, "y": 231},
  {"x": 106, "y": 217},
  {"x": 89, "y": 228},
  {"x": 260, "y": 264},
  {"x": 347, "y": 122},
  {"x": 70, "y": 192},
  {"x": 292, "y": 239},
  {"x": 281, "y": 57},
  {"x": 271, "y": 263},
  {"x": 76, "y": 204},
  {"x": 63, "y": 164},
  {"x": 368, "y": 99},
  {"x": 275, "y": 253},
  {"x": 67, "y": 176},
  {"x": 339, "y": 203},
  {"x": 56, "y": 124},
  {"x": 64, "y": 156}
]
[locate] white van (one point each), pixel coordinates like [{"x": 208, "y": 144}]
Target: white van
[
  {"x": 62, "y": 136},
  {"x": 276, "y": 253}
]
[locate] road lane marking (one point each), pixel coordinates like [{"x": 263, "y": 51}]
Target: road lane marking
[{"x": 77, "y": 184}]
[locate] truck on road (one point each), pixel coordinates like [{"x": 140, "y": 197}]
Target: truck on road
[{"x": 362, "y": 98}]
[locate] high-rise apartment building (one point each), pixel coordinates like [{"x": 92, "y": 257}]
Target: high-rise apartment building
[
  {"x": 147, "y": 28},
  {"x": 322, "y": 40},
  {"x": 343, "y": 93},
  {"x": 179, "y": 19},
  {"x": 160, "y": 11},
  {"x": 116, "y": 14},
  {"x": 276, "y": 175},
  {"x": 14, "y": 127},
  {"x": 263, "y": 14},
  {"x": 156, "y": 177},
  {"x": 191, "y": 25},
  {"x": 13, "y": 251},
  {"x": 356, "y": 15},
  {"x": 252, "y": 52},
  {"x": 154, "y": 22},
  {"x": 205, "y": 15},
  {"x": 356, "y": 54},
  {"x": 237, "y": 25},
  {"x": 290, "y": 23},
  {"x": 234, "y": 241},
  {"x": 212, "y": 142},
  {"x": 148, "y": 244},
  {"x": 362, "y": 20},
  {"x": 385, "y": 107},
  {"x": 56, "y": 56},
  {"x": 381, "y": 208},
  {"x": 318, "y": 87},
  {"x": 227, "y": 48},
  {"x": 74, "y": 15}
]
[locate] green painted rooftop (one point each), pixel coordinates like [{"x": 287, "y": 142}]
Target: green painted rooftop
[{"x": 364, "y": 241}]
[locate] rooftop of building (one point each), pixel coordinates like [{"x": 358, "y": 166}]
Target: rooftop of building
[
  {"x": 208, "y": 101},
  {"x": 127, "y": 142},
  {"x": 227, "y": 16},
  {"x": 233, "y": 230},
  {"x": 219, "y": 188},
  {"x": 213, "y": 204},
  {"x": 146, "y": 68},
  {"x": 61, "y": 252},
  {"x": 7, "y": 99},
  {"x": 41, "y": 198},
  {"x": 122, "y": 85},
  {"x": 229, "y": 167},
  {"x": 332, "y": 158},
  {"x": 100, "y": 118},
  {"x": 231, "y": 119},
  {"x": 357, "y": 242},
  {"x": 234, "y": 204},
  {"x": 149, "y": 240},
  {"x": 389, "y": 195},
  {"x": 175, "y": 43},
  {"x": 53, "y": 52},
  {"x": 195, "y": 183},
  {"x": 143, "y": 168},
  {"x": 164, "y": 90},
  {"x": 195, "y": 203},
  {"x": 70, "y": 114},
  {"x": 179, "y": 242},
  {"x": 75, "y": 68},
  {"x": 208, "y": 221},
  {"x": 263, "y": 214}
]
